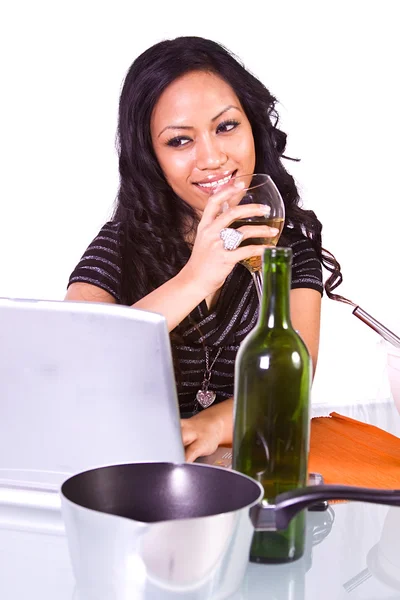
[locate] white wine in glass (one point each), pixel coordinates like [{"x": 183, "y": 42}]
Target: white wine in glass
[
  {"x": 261, "y": 190},
  {"x": 254, "y": 264}
]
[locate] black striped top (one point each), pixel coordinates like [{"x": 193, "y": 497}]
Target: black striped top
[{"x": 221, "y": 329}]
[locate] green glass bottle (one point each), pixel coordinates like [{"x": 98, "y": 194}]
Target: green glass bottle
[{"x": 271, "y": 407}]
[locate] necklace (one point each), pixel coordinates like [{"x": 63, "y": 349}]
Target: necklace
[{"x": 206, "y": 397}]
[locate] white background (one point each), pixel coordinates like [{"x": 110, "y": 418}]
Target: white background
[{"x": 334, "y": 67}]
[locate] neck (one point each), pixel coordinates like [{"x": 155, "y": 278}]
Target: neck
[{"x": 275, "y": 307}]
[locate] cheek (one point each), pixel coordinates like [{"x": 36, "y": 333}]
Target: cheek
[
  {"x": 176, "y": 166},
  {"x": 244, "y": 151}
]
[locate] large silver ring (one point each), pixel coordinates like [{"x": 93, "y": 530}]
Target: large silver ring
[{"x": 232, "y": 238}]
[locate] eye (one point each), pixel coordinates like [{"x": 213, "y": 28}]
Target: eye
[
  {"x": 227, "y": 126},
  {"x": 178, "y": 141}
]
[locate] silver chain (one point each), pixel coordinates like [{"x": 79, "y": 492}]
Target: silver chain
[{"x": 208, "y": 371}]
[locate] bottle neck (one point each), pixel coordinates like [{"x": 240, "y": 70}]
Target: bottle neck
[{"x": 275, "y": 305}]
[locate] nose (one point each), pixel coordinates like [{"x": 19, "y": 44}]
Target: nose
[{"x": 209, "y": 154}]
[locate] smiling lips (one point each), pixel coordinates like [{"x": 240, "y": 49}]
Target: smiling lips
[{"x": 211, "y": 183}]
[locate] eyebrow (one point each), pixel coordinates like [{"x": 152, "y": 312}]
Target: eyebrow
[{"x": 185, "y": 127}]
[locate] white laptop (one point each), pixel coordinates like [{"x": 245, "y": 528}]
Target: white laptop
[{"x": 83, "y": 385}]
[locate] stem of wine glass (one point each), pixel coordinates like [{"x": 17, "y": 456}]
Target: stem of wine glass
[{"x": 258, "y": 282}]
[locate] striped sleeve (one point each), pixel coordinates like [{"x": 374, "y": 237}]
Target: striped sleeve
[
  {"x": 101, "y": 263},
  {"x": 306, "y": 266}
]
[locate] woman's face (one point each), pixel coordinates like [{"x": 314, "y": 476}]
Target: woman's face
[{"x": 201, "y": 136}]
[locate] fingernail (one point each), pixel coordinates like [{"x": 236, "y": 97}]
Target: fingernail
[
  {"x": 225, "y": 206},
  {"x": 239, "y": 185},
  {"x": 274, "y": 231},
  {"x": 265, "y": 209}
]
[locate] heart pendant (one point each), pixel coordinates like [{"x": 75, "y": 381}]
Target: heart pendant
[{"x": 205, "y": 399}]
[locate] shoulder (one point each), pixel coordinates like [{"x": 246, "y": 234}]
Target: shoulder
[
  {"x": 300, "y": 244},
  {"x": 107, "y": 242},
  {"x": 306, "y": 265},
  {"x": 111, "y": 232},
  {"x": 101, "y": 263}
]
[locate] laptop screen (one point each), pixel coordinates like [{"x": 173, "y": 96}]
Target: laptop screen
[{"x": 83, "y": 385}]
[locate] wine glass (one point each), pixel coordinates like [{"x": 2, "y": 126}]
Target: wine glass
[{"x": 260, "y": 189}]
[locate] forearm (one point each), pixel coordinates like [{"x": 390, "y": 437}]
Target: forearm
[
  {"x": 305, "y": 309},
  {"x": 175, "y": 299},
  {"x": 223, "y": 412}
]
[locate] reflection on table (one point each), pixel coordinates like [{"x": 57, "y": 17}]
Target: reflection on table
[{"x": 352, "y": 552}]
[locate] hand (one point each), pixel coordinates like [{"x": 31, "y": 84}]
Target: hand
[
  {"x": 201, "y": 435},
  {"x": 210, "y": 428},
  {"x": 210, "y": 264}
]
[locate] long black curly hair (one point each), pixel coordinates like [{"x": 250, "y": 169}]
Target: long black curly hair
[{"x": 152, "y": 215}]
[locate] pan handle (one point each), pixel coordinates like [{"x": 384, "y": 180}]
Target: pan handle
[{"x": 270, "y": 517}]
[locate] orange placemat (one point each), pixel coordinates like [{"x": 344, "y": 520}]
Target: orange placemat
[{"x": 349, "y": 452}]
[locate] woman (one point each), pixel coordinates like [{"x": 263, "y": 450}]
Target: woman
[{"x": 191, "y": 118}]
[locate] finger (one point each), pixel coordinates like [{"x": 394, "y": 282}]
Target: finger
[
  {"x": 249, "y": 251},
  {"x": 258, "y": 231},
  {"x": 194, "y": 451},
  {"x": 230, "y": 194},
  {"x": 243, "y": 211},
  {"x": 188, "y": 434}
]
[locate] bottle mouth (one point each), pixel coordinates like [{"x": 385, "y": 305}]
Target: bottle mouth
[{"x": 278, "y": 252}]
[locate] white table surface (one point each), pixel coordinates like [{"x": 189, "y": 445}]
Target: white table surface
[{"x": 355, "y": 557}]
